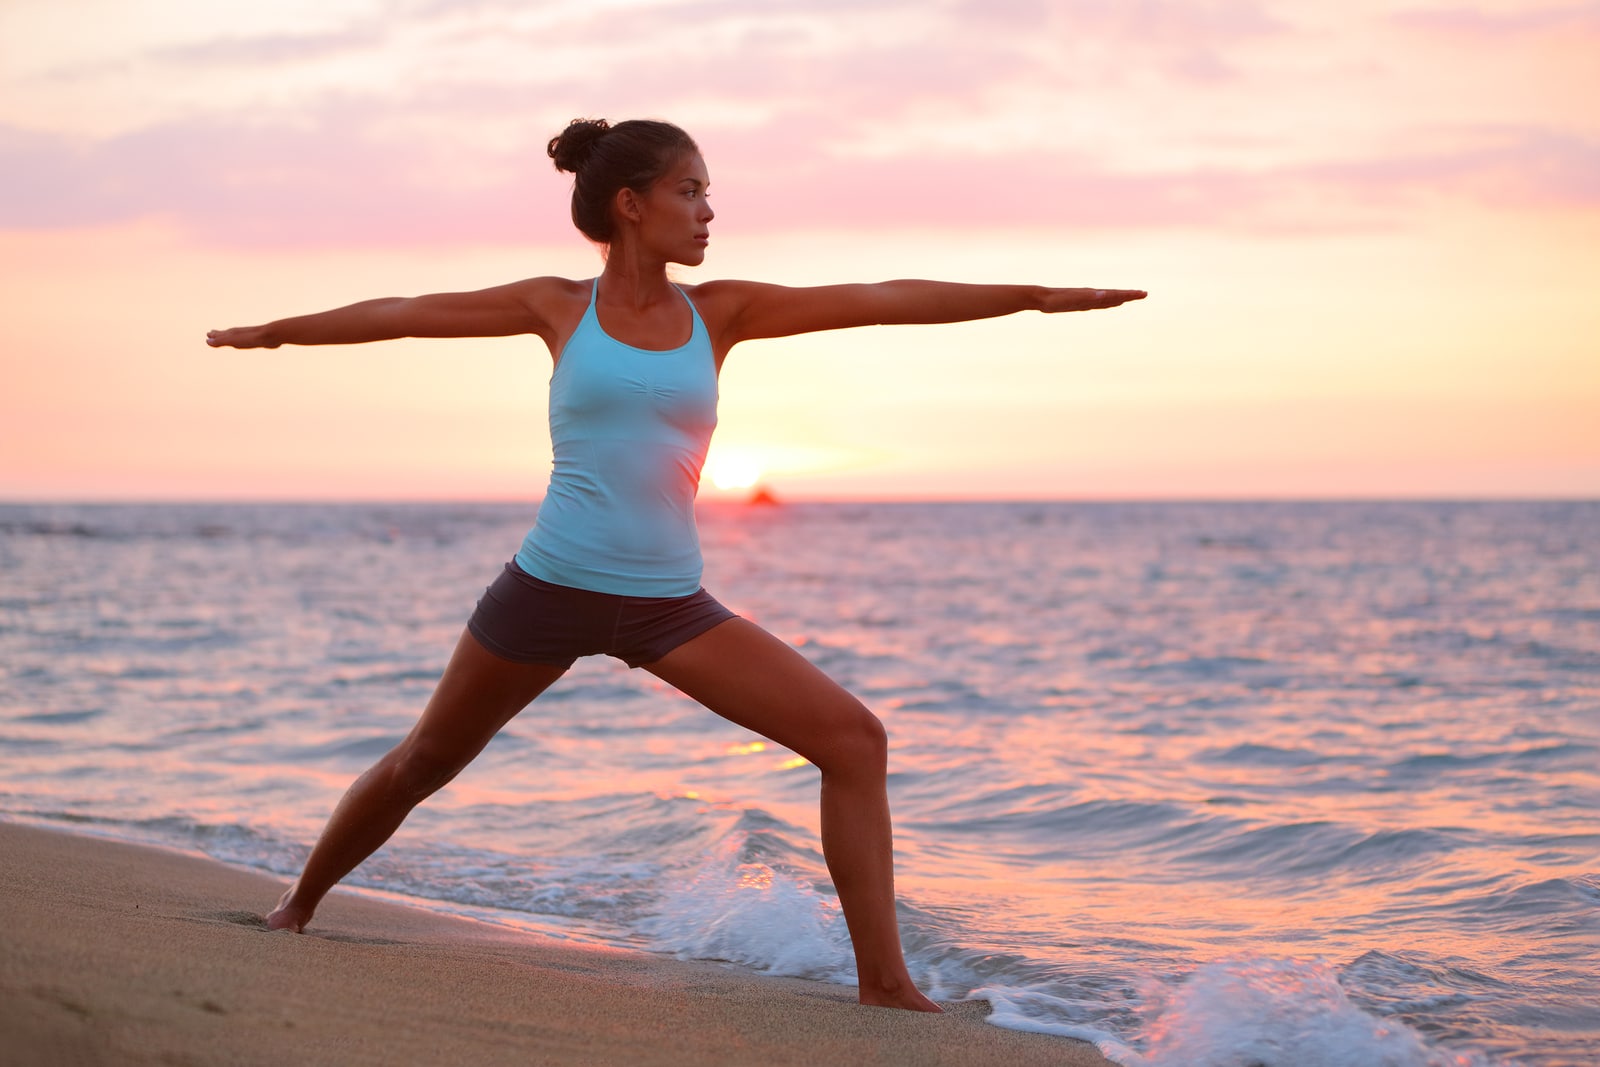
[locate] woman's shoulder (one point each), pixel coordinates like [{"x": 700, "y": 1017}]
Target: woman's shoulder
[
  {"x": 553, "y": 299},
  {"x": 724, "y": 295},
  {"x": 717, "y": 288},
  {"x": 550, "y": 287},
  {"x": 554, "y": 304}
]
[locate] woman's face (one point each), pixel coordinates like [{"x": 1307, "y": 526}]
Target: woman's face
[{"x": 675, "y": 216}]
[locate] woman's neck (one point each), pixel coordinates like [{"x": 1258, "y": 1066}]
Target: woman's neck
[{"x": 626, "y": 280}]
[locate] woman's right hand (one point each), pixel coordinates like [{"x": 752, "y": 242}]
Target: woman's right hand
[{"x": 239, "y": 337}]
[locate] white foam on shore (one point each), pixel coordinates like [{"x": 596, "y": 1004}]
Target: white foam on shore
[
  {"x": 744, "y": 911},
  {"x": 1239, "y": 1013}
]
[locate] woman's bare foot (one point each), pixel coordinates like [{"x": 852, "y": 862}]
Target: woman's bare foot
[
  {"x": 287, "y": 916},
  {"x": 906, "y": 997}
]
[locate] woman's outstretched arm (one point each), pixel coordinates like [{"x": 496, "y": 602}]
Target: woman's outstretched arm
[
  {"x": 752, "y": 309},
  {"x": 521, "y": 307}
]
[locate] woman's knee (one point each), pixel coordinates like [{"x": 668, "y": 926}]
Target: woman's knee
[
  {"x": 856, "y": 742},
  {"x": 418, "y": 769}
]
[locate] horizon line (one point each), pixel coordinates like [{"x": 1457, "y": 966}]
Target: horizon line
[{"x": 722, "y": 499}]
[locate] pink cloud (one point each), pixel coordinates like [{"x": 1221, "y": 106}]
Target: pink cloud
[
  {"x": 1505, "y": 167},
  {"x": 1497, "y": 26},
  {"x": 1523, "y": 168},
  {"x": 335, "y": 183},
  {"x": 276, "y": 49},
  {"x": 334, "y": 171}
]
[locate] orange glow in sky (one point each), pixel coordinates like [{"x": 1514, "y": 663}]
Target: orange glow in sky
[
  {"x": 731, "y": 470},
  {"x": 1370, "y": 231}
]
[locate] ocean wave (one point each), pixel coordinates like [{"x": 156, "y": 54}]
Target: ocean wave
[
  {"x": 732, "y": 906},
  {"x": 1258, "y": 1012},
  {"x": 1319, "y": 848},
  {"x": 1255, "y": 754}
]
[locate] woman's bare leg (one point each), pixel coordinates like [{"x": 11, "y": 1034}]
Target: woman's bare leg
[
  {"x": 478, "y": 694},
  {"x": 746, "y": 675}
]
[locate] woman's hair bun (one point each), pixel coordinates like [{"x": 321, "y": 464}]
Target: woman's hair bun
[{"x": 574, "y": 144}]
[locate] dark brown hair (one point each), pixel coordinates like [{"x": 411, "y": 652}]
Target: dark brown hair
[{"x": 607, "y": 159}]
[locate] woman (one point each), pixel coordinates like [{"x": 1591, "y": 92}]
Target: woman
[{"x": 612, "y": 564}]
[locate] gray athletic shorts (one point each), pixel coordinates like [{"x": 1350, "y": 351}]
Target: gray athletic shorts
[{"x": 528, "y": 620}]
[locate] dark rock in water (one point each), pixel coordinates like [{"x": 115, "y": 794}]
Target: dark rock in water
[{"x": 763, "y": 497}]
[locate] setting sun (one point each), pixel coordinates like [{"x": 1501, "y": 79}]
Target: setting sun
[{"x": 732, "y": 471}]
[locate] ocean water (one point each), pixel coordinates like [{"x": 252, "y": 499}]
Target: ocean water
[{"x": 1212, "y": 785}]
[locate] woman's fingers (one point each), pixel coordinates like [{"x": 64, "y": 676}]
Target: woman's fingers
[
  {"x": 1110, "y": 298},
  {"x": 237, "y": 337},
  {"x": 1091, "y": 299}
]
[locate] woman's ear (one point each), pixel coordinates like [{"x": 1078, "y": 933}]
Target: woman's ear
[{"x": 628, "y": 204}]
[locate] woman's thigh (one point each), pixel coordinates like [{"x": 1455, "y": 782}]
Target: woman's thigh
[
  {"x": 477, "y": 695},
  {"x": 750, "y": 677}
]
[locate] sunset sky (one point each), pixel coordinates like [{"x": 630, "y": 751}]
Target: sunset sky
[{"x": 1370, "y": 232}]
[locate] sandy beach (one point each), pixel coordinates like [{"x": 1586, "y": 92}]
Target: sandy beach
[{"x": 123, "y": 954}]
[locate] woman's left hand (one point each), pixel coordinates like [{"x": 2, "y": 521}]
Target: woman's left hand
[{"x": 1088, "y": 299}]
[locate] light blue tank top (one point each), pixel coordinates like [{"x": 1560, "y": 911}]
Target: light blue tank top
[{"x": 629, "y": 428}]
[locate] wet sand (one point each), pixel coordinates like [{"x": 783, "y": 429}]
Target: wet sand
[{"x": 124, "y": 954}]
